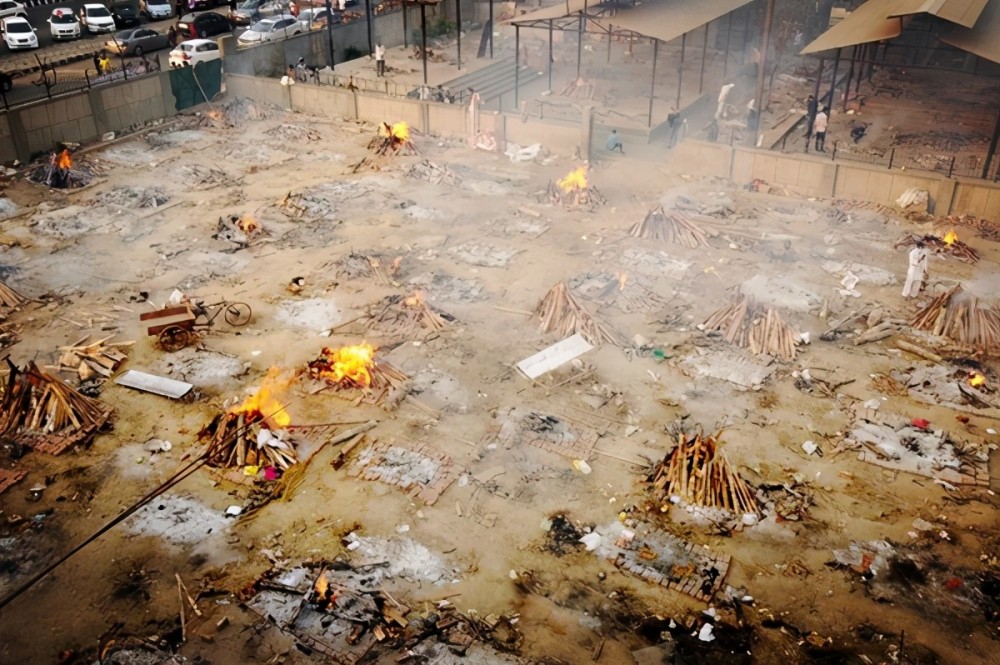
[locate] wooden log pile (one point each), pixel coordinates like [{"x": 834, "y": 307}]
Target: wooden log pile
[
  {"x": 984, "y": 227},
  {"x": 434, "y": 173},
  {"x": 749, "y": 325},
  {"x": 698, "y": 473},
  {"x": 39, "y": 406},
  {"x": 587, "y": 196},
  {"x": 956, "y": 248},
  {"x": 89, "y": 359},
  {"x": 960, "y": 318},
  {"x": 240, "y": 438},
  {"x": 9, "y": 298},
  {"x": 350, "y": 368},
  {"x": 561, "y": 313},
  {"x": 669, "y": 227},
  {"x": 393, "y": 140},
  {"x": 408, "y": 314}
]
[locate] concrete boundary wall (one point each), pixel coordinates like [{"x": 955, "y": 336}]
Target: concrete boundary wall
[
  {"x": 810, "y": 175},
  {"x": 84, "y": 116}
]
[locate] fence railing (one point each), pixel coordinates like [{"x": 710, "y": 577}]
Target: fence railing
[
  {"x": 49, "y": 82},
  {"x": 950, "y": 166}
]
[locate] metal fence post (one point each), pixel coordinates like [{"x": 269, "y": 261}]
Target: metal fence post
[
  {"x": 892, "y": 156},
  {"x": 833, "y": 155},
  {"x": 951, "y": 167}
]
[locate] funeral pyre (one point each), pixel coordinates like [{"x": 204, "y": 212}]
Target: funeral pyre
[
  {"x": 393, "y": 140},
  {"x": 962, "y": 318},
  {"x": 252, "y": 433},
  {"x": 240, "y": 230},
  {"x": 407, "y": 314},
  {"x": 354, "y": 368},
  {"x": 575, "y": 190},
  {"x": 561, "y": 313},
  {"x": 40, "y": 411},
  {"x": 698, "y": 473},
  {"x": 749, "y": 325},
  {"x": 58, "y": 171},
  {"x": 948, "y": 244},
  {"x": 669, "y": 226}
]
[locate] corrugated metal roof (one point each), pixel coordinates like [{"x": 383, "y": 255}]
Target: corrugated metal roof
[
  {"x": 667, "y": 20},
  {"x": 558, "y": 10},
  {"x": 962, "y": 12},
  {"x": 984, "y": 38},
  {"x": 868, "y": 23}
]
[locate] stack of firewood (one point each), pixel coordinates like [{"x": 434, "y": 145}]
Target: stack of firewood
[
  {"x": 399, "y": 314},
  {"x": 36, "y": 403},
  {"x": 984, "y": 227},
  {"x": 669, "y": 227},
  {"x": 88, "y": 358},
  {"x": 749, "y": 325},
  {"x": 239, "y": 438},
  {"x": 576, "y": 196},
  {"x": 698, "y": 473},
  {"x": 393, "y": 140},
  {"x": 339, "y": 369},
  {"x": 962, "y": 319},
  {"x": 561, "y": 313},
  {"x": 9, "y": 298},
  {"x": 955, "y": 248}
]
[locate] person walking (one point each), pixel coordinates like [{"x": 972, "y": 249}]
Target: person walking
[
  {"x": 615, "y": 142},
  {"x": 917, "y": 270},
  {"x": 819, "y": 128},
  {"x": 105, "y": 63},
  {"x": 379, "y": 59}
]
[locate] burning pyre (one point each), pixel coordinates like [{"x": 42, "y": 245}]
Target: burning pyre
[
  {"x": 59, "y": 172},
  {"x": 249, "y": 434},
  {"x": 354, "y": 368},
  {"x": 238, "y": 229},
  {"x": 393, "y": 140},
  {"x": 408, "y": 314},
  {"x": 575, "y": 190},
  {"x": 947, "y": 244}
]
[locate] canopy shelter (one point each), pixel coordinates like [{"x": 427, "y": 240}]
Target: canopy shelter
[
  {"x": 871, "y": 22},
  {"x": 961, "y": 12},
  {"x": 983, "y": 39},
  {"x": 659, "y": 20}
]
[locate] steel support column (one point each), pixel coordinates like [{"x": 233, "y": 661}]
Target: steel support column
[
  {"x": 370, "y": 28},
  {"x": 550, "y": 54},
  {"x": 992, "y": 149},
  {"x": 652, "y": 82},
  {"x": 423, "y": 38},
  {"x": 579, "y": 46},
  {"x": 729, "y": 34},
  {"x": 704, "y": 54},
  {"x": 458, "y": 21},
  {"x": 833, "y": 80},
  {"x": 517, "y": 63},
  {"x": 329, "y": 33},
  {"x": 680, "y": 70},
  {"x": 762, "y": 66},
  {"x": 493, "y": 29}
]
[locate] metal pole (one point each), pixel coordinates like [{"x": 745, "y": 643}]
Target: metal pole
[
  {"x": 746, "y": 34},
  {"x": 652, "y": 81},
  {"x": 329, "y": 31},
  {"x": 423, "y": 38},
  {"x": 579, "y": 46},
  {"x": 861, "y": 68},
  {"x": 680, "y": 71},
  {"x": 517, "y": 62},
  {"x": 850, "y": 75},
  {"x": 761, "y": 66},
  {"x": 458, "y": 20},
  {"x": 992, "y": 149},
  {"x": 550, "y": 54},
  {"x": 819, "y": 78},
  {"x": 493, "y": 29},
  {"x": 729, "y": 34},
  {"x": 611, "y": 31},
  {"x": 406, "y": 26},
  {"x": 368, "y": 18},
  {"x": 704, "y": 54},
  {"x": 833, "y": 81}
]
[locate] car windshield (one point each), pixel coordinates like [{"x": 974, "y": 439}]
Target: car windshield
[
  {"x": 18, "y": 27},
  {"x": 65, "y": 18},
  {"x": 98, "y": 12},
  {"x": 262, "y": 26},
  {"x": 124, "y": 36}
]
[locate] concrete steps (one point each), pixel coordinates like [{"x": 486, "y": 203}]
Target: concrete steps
[{"x": 492, "y": 81}]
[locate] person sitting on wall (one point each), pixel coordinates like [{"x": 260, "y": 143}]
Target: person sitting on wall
[{"x": 615, "y": 142}]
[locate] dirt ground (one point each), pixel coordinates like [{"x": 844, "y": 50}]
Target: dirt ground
[{"x": 484, "y": 248}]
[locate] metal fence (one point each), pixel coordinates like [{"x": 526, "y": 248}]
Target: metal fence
[
  {"x": 950, "y": 166},
  {"x": 48, "y": 82}
]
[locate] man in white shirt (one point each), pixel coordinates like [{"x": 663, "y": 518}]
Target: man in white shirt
[
  {"x": 379, "y": 59},
  {"x": 916, "y": 272},
  {"x": 819, "y": 128}
]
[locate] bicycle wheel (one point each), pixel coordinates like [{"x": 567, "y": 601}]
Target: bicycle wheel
[
  {"x": 238, "y": 314},
  {"x": 174, "y": 338}
]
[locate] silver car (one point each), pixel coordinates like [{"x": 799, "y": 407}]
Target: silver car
[{"x": 136, "y": 41}]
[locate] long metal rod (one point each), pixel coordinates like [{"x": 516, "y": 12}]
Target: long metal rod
[
  {"x": 729, "y": 35},
  {"x": 550, "y": 54},
  {"x": 762, "y": 66},
  {"x": 819, "y": 78},
  {"x": 652, "y": 81},
  {"x": 406, "y": 27},
  {"x": 992, "y": 149},
  {"x": 833, "y": 81},
  {"x": 704, "y": 55},
  {"x": 517, "y": 63},
  {"x": 493, "y": 29},
  {"x": 329, "y": 31},
  {"x": 850, "y": 75},
  {"x": 423, "y": 38},
  {"x": 611, "y": 31},
  {"x": 579, "y": 46},
  {"x": 680, "y": 70},
  {"x": 458, "y": 21},
  {"x": 370, "y": 27}
]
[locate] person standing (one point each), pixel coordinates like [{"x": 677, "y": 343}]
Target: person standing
[
  {"x": 293, "y": 8},
  {"x": 172, "y": 37},
  {"x": 674, "y": 121},
  {"x": 812, "y": 106},
  {"x": 819, "y": 128},
  {"x": 379, "y": 59},
  {"x": 615, "y": 142},
  {"x": 917, "y": 271}
]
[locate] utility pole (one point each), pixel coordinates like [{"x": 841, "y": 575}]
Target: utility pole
[
  {"x": 329, "y": 31},
  {"x": 761, "y": 66}
]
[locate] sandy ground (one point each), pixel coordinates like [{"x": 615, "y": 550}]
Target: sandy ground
[{"x": 478, "y": 256}]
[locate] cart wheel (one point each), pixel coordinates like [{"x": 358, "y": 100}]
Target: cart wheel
[
  {"x": 238, "y": 314},
  {"x": 174, "y": 338}
]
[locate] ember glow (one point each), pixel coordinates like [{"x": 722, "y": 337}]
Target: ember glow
[
  {"x": 576, "y": 180},
  {"x": 248, "y": 224},
  {"x": 622, "y": 280},
  {"x": 65, "y": 161},
  {"x": 976, "y": 379},
  {"x": 265, "y": 404},
  {"x": 349, "y": 364},
  {"x": 414, "y": 301},
  {"x": 399, "y": 131},
  {"x": 950, "y": 237}
]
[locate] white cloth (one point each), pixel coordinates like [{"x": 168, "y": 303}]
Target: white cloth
[
  {"x": 379, "y": 52},
  {"x": 916, "y": 272},
  {"x": 819, "y": 124}
]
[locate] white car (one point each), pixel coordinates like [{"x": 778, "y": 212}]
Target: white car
[
  {"x": 156, "y": 9},
  {"x": 189, "y": 53},
  {"x": 63, "y": 24},
  {"x": 97, "y": 19},
  {"x": 271, "y": 29},
  {"x": 18, "y": 33},
  {"x": 11, "y": 8}
]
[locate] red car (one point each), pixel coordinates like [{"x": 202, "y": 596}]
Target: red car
[{"x": 203, "y": 25}]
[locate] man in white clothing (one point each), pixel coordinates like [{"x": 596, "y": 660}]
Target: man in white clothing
[
  {"x": 819, "y": 128},
  {"x": 379, "y": 59},
  {"x": 916, "y": 272}
]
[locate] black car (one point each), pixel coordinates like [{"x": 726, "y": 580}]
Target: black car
[
  {"x": 208, "y": 24},
  {"x": 125, "y": 16}
]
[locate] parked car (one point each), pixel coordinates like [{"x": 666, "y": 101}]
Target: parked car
[
  {"x": 156, "y": 10},
  {"x": 18, "y": 33},
  {"x": 271, "y": 29},
  {"x": 63, "y": 24},
  {"x": 193, "y": 51},
  {"x": 252, "y": 11},
  {"x": 11, "y": 8},
  {"x": 125, "y": 16},
  {"x": 208, "y": 24},
  {"x": 136, "y": 41},
  {"x": 316, "y": 18},
  {"x": 96, "y": 19}
]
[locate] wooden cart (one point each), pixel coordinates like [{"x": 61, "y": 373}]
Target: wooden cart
[{"x": 178, "y": 325}]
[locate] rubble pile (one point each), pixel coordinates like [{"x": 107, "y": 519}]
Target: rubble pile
[
  {"x": 368, "y": 265},
  {"x": 237, "y": 112},
  {"x": 433, "y": 173},
  {"x": 134, "y": 197},
  {"x": 239, "y": 230},
  {"x": 286, "y": 133}
]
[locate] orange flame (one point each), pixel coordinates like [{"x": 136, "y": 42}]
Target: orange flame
[
  {"x": 65, "y": 161},
  {"x": 950, "y": 237},
  {"x": 248, "y": 224},
  {"x": 264, "y": 402},
  {"x": 321, "y": 586},
  {"x": 622, "y": 280},
  {"x": 976, "y": 379},
  {"x": 416, "y": 300},
  {"x": 577, "y": 179},
  {"x": 399, "y": 131},
  {"x": 350, "y": 364}
]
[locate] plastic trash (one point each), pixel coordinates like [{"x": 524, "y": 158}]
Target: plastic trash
[
  {"x": 809, "y": 447},
  {"x": 233, "y": 511},
  {"x": 582, "y": 466},
  {"x": 592, "y": 541},
  {"x": 705, "y": 634}
]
